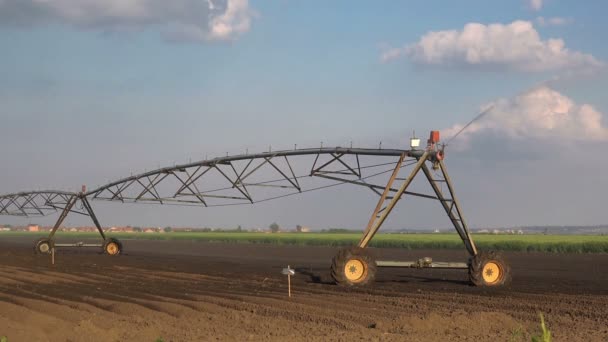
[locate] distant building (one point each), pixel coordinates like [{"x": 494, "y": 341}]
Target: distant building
[
  {"x": 33, "y": 228},
  {"x": 121, "y": 229},
  {"x": 86, "y": 229}
]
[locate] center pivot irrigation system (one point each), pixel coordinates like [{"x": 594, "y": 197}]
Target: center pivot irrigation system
[{"x": 244, "y": 179}]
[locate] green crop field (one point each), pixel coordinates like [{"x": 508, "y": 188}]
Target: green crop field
[{"x": 525, "y": 243}]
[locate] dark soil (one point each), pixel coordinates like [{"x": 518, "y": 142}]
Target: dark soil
[{"x": 194, "y": 291}]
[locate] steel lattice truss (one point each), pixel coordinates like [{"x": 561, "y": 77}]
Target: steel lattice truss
[
  {"x": 37, "y": 203},
  {"x": 243, "y": 179},
  {"x": 247, "y": 179},
  {"x": 230, "y": 180},
  {"x": 254, "y": 178}
]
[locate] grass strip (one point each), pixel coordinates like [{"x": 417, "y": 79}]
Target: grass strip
[{"x": 520, "y": 243}]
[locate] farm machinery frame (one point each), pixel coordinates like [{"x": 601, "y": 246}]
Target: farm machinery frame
[
  {"x": 42, "y": 203},
  {"x": 243, "y": 179}
]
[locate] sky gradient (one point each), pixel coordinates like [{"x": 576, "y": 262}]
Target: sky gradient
[{"x": 91, "y": 91}]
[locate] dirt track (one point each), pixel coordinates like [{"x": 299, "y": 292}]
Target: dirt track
[{"x": 191, "y": 291}]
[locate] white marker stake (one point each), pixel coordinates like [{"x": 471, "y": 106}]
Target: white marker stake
[{"x": 288, "y": 272}]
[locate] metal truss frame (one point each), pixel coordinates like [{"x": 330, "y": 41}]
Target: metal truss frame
[
  {"x": 390, "y": 196},
  {"x": 43, "y": 203},
  {"x": 185, "y": 185},
  {"x": 188, "y": 177},
  {"x": 35, "y": 203}
]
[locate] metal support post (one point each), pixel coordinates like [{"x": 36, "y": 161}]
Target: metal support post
[
  {"x": 456, "y": 218},
  {"x": 89, "y": 209},
  {"x": 63, "y": 215},
  {"x": 456, "y": 203},
  {"x": 376, "y": 221}
]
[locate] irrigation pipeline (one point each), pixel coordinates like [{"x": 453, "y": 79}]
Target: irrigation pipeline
[{"x": 293, "y": 193}]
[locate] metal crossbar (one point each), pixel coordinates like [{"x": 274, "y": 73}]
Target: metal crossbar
[
  {"x": 197, "y": 183},
  {"x": 244, "y": 179}
]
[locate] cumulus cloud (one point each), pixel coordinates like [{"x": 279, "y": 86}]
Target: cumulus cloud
[
  {"x": 553, "y": 21},
  {"x": 183, "y": 20},
  {"x": 541, "y": 114},
  {"x": 535, "y": 4},
  {"x": 514, "y": 46}
]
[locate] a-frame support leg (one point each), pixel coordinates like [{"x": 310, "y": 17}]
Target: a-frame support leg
[
  {"x": 111, "y": 246},
  {"x": 89, "y": 209},
  {"x": 378, "y": 218},
  {"x": 451, "y": 206},
  {"x": 64, "y": 214}
]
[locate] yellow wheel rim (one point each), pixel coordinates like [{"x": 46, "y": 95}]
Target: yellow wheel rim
[
  {"x": 112, "y": 248},
  {"x": 354, "y": 270},
  {"x": 491, "y": 272},
  {"x": 44, "y": 247}
]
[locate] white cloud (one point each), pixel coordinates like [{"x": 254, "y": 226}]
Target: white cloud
[
  {"x": 389, "y": 53},
  {"x": 553, "y": 21},
  {"x": 190, "y": 20},
  {"x": 535, "y": 4},
  {"x": 236, "y": 20},
  {"x": 542, "y": 114},
  {"x": 515, "y": 46}
]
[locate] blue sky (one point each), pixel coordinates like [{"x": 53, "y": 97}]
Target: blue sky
[{"x": 93, "y": 90}]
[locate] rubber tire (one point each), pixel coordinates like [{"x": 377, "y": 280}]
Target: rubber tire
[
  {"x": 40, "y": 242},
  {"x": 477, "y": 263},
  {"x": 339, "y": 263},
  {"x": 112, "y": 240}
]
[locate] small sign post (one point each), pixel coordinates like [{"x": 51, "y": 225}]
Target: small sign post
[{"x": 288, "y": 272}]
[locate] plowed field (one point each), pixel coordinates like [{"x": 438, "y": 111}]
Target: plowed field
[{"x": 193, "y": 291}]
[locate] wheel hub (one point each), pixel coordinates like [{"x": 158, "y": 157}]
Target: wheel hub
[
  {"x": 44, "y": 247},
  {"x": 491, "y": 272},
  {"x": 354, "y": 270},
  {"x": 112, "y": 248}
]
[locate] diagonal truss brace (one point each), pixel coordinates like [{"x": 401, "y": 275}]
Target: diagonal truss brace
[
  {"x": 68, "y": 208},
  {"x": 64, "y": 214},
  {"x": 42, "y": 203},
  {"x": 450, "y": 205},
  {"x": 192, "y": 188},
  {"x": 379, "y": 216}
]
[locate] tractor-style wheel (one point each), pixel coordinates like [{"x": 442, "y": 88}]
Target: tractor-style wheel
[
  {"x": 112, "y": 247},
  {"x": 489, "y": 269},
  {"x": 353, "y": 267},
  {"x": 43, "y": 246}
]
